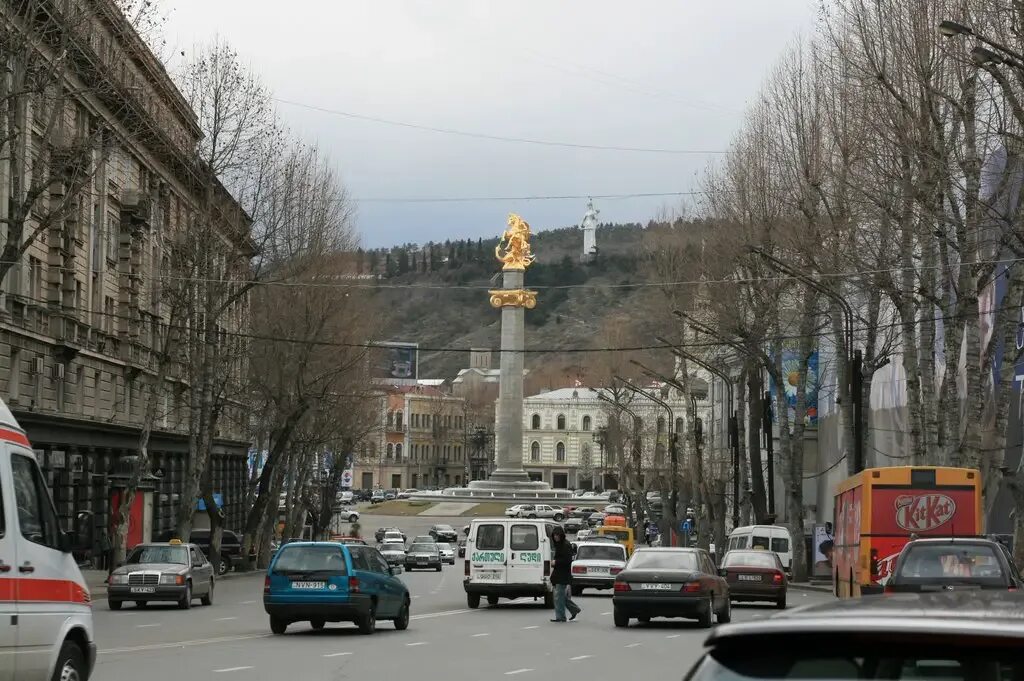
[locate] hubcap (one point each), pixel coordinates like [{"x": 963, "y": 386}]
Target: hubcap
[{"x": 68, "y": 672}]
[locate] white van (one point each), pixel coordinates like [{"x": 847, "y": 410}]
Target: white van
[
  {"x": 508, "y": 558},
  {"x": 46, "y": 610},
  {"x": 769, "y": 537}
]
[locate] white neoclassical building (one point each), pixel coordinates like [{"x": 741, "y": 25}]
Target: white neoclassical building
[{"x": 561, "y": 434}]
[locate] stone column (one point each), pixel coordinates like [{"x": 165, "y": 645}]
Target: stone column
[{"x": 508, "y": 454}]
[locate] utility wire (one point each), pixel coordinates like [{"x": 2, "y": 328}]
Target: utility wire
[
  {"x": 564, "y": 197},
  {"x": 498, "y": 138}
]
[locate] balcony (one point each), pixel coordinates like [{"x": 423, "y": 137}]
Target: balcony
[{"x": 396, "y": 428}]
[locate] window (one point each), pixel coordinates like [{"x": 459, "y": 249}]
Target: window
[
  {"x": 490, "y": 538},
  {"x": 524, "y": 538},
  {"x": 601, "y": 552},
  {"x": 35, "y": 279},
  {"x": 780, "y": 544},
  {"x": 398, "y": 452},
  {"x": 398, "y": 420},
  {"x": 36, "y": 516},
  {"x": 535, "y": 451},
  {"x": 661, "y": 424},
  {"x": 323, "y": 560},
  {"x": 586, "y": 422},
  {"x": 379, "y": 563},
  {"x": 759, "y": 542},
  {"x": 535, "y": 422},
  {"x": 663, "y": 560},
  {"x": 14, "y": 383},
  {"x": 112, "y": 236},
  {"x": 561, "y": 422},
  {"x": 560, "y": 451},
  {"x": 360, "y": 561},
  {"x": 197, "y": 557},
  {"x": 175, "y": 555},
  {"x": 391, "y": 450}
]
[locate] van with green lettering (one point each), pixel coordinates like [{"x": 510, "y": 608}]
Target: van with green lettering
[{"x": 508, "y": 558}]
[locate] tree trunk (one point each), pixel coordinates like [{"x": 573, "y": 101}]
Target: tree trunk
[
  {"x": 758, "y": 492},
  {"x": 745, "y": 501}
]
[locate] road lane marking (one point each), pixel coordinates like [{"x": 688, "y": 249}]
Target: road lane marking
[
  {"x": 517, "y": 671},
  {"x": 418, "y": 643},
  {"x": 535, "y": 626},
  {"x": 336, "y": 654},
  {"x": 143, "y": 626},
  {"x": 634, "y": 645},
  {"x": 224, "y": 619},
  {"x": 674, "y": 636},
  {"x": 444, "y": 613},
  {"x": 182, "y": 644},
  {"x": 481, "y": 634},
  {"x": 230, "y": 669},
  {"x": 579, "y": 657},
  {"x": 249, "y": 602}
]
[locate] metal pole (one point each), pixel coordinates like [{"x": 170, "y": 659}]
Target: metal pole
[
  {"x": 734, "y": 432},
  {"x": 769, "y": 441},
  {"x": 857, "y": 379}
]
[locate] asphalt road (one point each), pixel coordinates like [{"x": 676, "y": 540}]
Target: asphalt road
[{"x": 231, "y": 639}]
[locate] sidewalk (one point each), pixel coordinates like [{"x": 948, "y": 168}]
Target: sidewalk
[
  {"x": 822, "y": 587},
  {"x": 96, "y": 580}
]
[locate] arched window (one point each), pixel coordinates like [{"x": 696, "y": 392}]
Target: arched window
[
  {"x": 398, "y": 452},
  {"x": 391, "y": 418},
  {"x": 535, "y": 422},
  {"x": 679, "y": 424},
  {"x": 391, "y": 450},
  {"x": 586, "y": 422},
  {"x": 661, "y": 424},
  {"x": 560, "y": 451},
  {"x": 561, "y": 421},
  {"x": 535, "y": 451},
  {"x": 398, "y": 420}
]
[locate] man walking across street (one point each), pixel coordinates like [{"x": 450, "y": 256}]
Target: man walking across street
[{"x": 561, "y": 577}]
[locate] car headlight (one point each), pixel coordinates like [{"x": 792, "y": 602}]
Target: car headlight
[
  {"x": 172, "y": 579},
  {"x": 118, "y": 579}
]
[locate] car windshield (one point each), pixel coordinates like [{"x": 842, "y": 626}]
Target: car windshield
[
  {"x": 392, "y": 547},
  {"x": 663, "y": 560},
  {"x": 619, "y": 535},
  {"x": 609, "y": 552},
  {"x": 444, "y": 546},
  {"x": 942, "y": 561},
  {"x": 423, "y": 548},
  {"x": 158, "y": 554},
  {"x": 307, "y": 560},
  {"x": 423, "y": 539},
  {"x": 750, "y": 559}
]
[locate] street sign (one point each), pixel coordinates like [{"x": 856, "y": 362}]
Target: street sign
[
  {"x": 685, "y": 527},
  {"x": 346, "y": 478}
]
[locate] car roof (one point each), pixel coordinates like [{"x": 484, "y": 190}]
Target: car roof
[
  {"x": 163, "y": 543},
  {"x": 666, "y": 549},
  {"x": 982, "y": 613},
  {"x": 953, "y": 540}
]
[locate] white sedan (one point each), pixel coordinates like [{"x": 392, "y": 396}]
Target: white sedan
[
  {"x": 349, "y": 514},
  {"x": 514, "y": 511},
  {"x": 447, "y": 552}
]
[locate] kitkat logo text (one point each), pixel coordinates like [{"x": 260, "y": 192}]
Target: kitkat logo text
[{"x": 923, "y": 512}]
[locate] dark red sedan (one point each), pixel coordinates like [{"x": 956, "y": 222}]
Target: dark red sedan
[{"x": 755, "y": 576}]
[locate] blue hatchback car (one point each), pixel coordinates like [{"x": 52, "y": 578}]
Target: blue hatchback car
[{"x": 320, "y": 582}]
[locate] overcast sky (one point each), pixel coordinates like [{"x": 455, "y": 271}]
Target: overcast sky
[{"x": 672, "y": 74}]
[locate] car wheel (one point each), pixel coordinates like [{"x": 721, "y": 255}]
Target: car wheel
[
  {"x": 709, "y": 609},
  {"x": 402, "y": 621},
  {"x": 368, "y": 622},
  {"x": 186, "y": 598},
  {"x": 621, "y": 620},
  {"x": 352, "y": 518},
  {"x": 437, "y": 569},
  {"x": 114, "y": 605},
  {"x": 532, "y": 516},
  {"x": 277, "y": 625},
  {"x": 140, "y": 604},
  {"x": 558, "y": 517},
  {"x": 781, "y": 602},
  {"x": 224, "y": 566},
  {"x": 208, "y": 598},
  {"x": 577, "y": 591},
  {"x": 473, "y": 601},
  {"x": 644, "y": 620},
  {"x": 70, "y": 664},
  {"x": 492, "y": 600},
  {"x": 725, "y": 614},
  {"x": 317, "y": 624}
]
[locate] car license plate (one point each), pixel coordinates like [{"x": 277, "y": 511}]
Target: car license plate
[
  {"x": 597, "y": 570},
  {"x": 749, "y": 578},
  {"x": 143, "y": 590},
  {"x": 307, "y": 585},
  {"x": 656, "y": 587},
  {"x": 487, "y": 575}
]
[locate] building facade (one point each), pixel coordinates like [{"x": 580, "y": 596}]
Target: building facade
[{"x": 83, "y": 310}]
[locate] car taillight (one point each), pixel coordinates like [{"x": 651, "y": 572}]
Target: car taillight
[
  {"x": 547, "y": 568},
  {"x": 353, "y": 585},
  {"x": 777, "y": 578},
  {"x": 579, "y": 570},
  {"x": 266, "y": 584},
  {"x": 616, "y": 570},
  {"x": 888, "y": 590},
  {"x": 467, "y": 567},
  {"x": 622, "y": 586},
  {"x": 1012, "y": 588},
  {"x": 691, "y": 587}
]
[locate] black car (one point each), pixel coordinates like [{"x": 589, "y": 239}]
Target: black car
[
  {"x": 444, "y": 533},
  {"x": 230, "y": 546},
  {"x": 958, "y": 636},
  {"x": 670, "y": 582},
  {"x": 950, "y": 564}
]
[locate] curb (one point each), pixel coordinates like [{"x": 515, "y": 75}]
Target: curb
[{"x": 820, "y": 588}]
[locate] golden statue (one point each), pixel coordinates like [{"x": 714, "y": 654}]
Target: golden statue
[{"x": 516, "y": 244}]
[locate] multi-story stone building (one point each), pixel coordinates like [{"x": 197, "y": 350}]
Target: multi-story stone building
[{"x": 83, "y": 310}]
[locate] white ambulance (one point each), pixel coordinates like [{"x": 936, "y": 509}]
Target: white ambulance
[
  {"x": 508, "y": 558},
  {"x": 46, "y": 627}
]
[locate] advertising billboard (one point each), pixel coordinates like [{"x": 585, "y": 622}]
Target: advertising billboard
[
  {"x": 791, "y": 374},
  {"x": 395, "y": 363}
]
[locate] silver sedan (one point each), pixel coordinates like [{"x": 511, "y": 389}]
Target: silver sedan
[{"x": 447, "y": 552}]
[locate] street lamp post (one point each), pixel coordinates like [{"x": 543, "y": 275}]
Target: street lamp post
[
  {"x": 951, "y": 29},
  {"x": 636, "y": 454},
  {"x": 600, "y": 436}
]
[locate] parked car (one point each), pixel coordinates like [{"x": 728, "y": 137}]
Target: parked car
[
  {"x": 349, "y": 514},
  {"x": 514, "y": 511},
  {"x": 162, "y": 571},
  {"x": 556, "y": 513},
  {"x": 345, "y": 497},
  {"x": 423, "y": 556},
  {"x": 230, "y": 547},
  {"x": 405, "y": 494},
  {"x": 952, "y": 564},
  {"x": 377, "y": 497},
  {"x": 755, "y": 576},
  {"x": 596, "y": 564},
  {"x": 320, "y": 582},
  {"x": 447, "y": 552},
  {"x": 958, "y": 636},
  {"x": 670, "y": 582},
  {"x": 444, "y": 533}
]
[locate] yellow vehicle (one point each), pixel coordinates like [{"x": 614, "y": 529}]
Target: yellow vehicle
[{"x": 623, "y": 535}]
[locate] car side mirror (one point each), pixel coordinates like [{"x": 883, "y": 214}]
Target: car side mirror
[
  {"x": 198, "y": 563},
  {"x": 722, "y": 572},
  {"x": 83, "y": 532},
  {"x": 65, "y": 543}
]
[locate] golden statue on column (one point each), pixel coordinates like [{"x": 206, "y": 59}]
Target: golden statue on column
[{"x": 516, "y": 245}]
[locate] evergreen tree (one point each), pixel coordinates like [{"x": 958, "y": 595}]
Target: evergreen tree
[{"x": 359, "y": 260}]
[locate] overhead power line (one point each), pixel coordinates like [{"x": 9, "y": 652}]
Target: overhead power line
[
  {"x": 497, "y": 138},
  {"x": 562, "y": 197}
]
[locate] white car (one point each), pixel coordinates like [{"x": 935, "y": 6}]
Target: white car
[
  {"x": 556, "y": 513},
  {"x": 596, "y": 564},
  {"x": 349, "y": 514},
  {"x": 447, "y": 552},
  {"x": 583, "y": 534},
  {"x": 393, "y": 537},
  {"x": 513, "y": 511}
]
